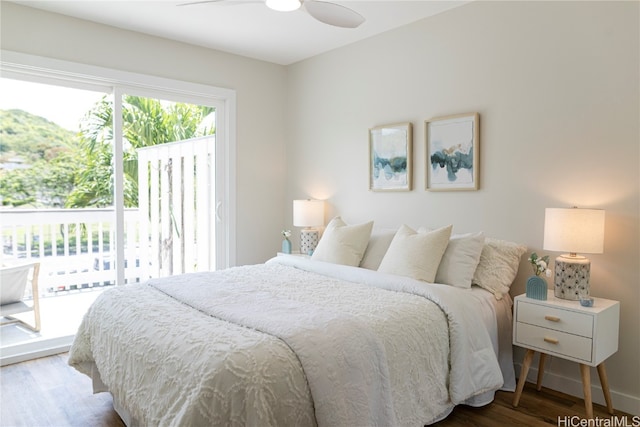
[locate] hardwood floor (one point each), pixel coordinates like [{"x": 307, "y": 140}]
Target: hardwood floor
[
  {"x": 536, "y": 408},
  {"x": 48, "y": 392}
]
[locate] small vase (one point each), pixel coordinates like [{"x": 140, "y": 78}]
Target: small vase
[
  {"x": 286, "y": 246},
  {"x": 537, "y": 288}
]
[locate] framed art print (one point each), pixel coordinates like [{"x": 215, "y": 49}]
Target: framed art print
[
  {"x": 390, "y": 157},
  {"x": 452, "y": 153}
]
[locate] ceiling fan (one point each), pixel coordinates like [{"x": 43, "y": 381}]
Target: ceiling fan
[{"x": 326, "y": 12}]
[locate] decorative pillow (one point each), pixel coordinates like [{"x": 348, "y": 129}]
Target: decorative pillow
[
  {"x": 342, "y": 243},
  {"x": 378, "y": 244},
  {"x": 498, "y": 265},
  {"x": 416, "y": 255},
  {"x": 460, "y": 260}
]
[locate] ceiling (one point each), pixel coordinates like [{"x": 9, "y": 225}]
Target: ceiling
[{"x": 246, "y": 27}]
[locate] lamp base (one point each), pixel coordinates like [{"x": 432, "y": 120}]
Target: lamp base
[
  {"x": 308, "y": 241},
  {"x": 572, "y": 277}
]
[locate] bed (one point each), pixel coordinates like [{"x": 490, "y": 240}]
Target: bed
[{"x": 308, "y": 341}]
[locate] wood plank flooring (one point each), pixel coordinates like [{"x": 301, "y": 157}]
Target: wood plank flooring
[{"x": 48, "y": 392}]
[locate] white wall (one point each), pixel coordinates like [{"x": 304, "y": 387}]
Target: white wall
[
  {"x": 260, "y": 88},
  {"x": 557, "y": 89}
]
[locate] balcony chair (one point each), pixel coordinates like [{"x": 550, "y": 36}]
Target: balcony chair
[{"x": 13, "y": 282}]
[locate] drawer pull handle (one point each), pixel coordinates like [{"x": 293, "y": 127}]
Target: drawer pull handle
[
  {"x": 552, "y": 318},
  {"x": 551, "y": 340}
]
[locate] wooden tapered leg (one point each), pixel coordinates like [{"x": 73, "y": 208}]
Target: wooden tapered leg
[
  {"x": 540, "y": 371},
  {"x": 36, "y": 296},
  {"x": 528, "y": 357},
  {"x": 604, "y": 381},
  {"x": 585, "y": 372}
]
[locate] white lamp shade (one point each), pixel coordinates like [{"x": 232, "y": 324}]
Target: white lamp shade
[
  {"x": 308, "y": 213},
  {"x": 574, "y": 230},
  {"x": 283, "y": 5}
]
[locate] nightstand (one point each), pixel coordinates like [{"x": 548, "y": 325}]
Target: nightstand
[{"x": 565, "y": 329}]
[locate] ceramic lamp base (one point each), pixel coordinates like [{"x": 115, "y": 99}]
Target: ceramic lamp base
[
  {"x": 572, "y": 277},
  {"x": 308, "y": 241}
]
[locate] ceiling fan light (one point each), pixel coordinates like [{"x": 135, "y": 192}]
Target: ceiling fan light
[{"x": 284, "y": 5}]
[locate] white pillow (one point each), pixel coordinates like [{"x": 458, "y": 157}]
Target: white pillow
[
  {"x": 498, "y": 265},
  {"x": 376, "y": 248},
  {"x": 416, "y": 255},
  {"x": 460, "y": 260},
  {"x": 342, "y": 243}
]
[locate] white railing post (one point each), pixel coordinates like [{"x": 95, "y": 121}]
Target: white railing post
[
  {"x": 175, "y": 201},
  {"x": 189, "y": 210},
  {"x": 144, "y": 171},
  {"x": 203, "y": 207},
  {"x": 154, "y": 215}
]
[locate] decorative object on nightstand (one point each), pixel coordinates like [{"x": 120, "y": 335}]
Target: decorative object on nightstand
[
  {"x": 565, "y": 329},
  {"x": 536, "y": 285},
  {"x": 573, "y": 230},
  {"x": 286, "y": 243},
  {"x": 585, "y": 300},
  {"x": 308, "y": 214}
]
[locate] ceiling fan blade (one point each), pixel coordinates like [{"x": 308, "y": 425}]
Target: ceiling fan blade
[
  {"x": 333, "y": 14},
  {"x": 191, "y": 3}
]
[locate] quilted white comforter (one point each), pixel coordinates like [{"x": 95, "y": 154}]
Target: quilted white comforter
[{"x": 290, "y": 342}]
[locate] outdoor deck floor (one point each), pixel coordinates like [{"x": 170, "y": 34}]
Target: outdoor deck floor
[{"x": 60, "y": 317}]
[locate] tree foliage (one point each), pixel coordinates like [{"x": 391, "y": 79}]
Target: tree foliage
[
  {"x": 76, "y": 170},
  {"x": 146, "y": 122}
]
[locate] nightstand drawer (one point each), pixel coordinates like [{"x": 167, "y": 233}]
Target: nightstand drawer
[
  {"x": 555, "y": 318},
  {"x": 552, "y": 341}
]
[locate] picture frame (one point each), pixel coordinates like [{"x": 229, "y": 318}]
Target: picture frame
[
  {"x": 452, "y": 160},
  {"x": 390, "y": 157}
]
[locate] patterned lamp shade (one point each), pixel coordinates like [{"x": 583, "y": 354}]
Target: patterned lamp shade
[
  {"x": 308, "y": 214},
  {"x": 573, "y": 230}
]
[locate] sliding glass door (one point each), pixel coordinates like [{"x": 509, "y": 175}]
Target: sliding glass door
[
  {"x": 147, "y": 171},
  {"x": 139, "y": 186}
]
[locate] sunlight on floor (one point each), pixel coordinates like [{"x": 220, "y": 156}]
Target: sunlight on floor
[{"x": 60, "y": 315}]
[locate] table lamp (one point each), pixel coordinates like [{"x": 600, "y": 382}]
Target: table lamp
[
  {"x": 573, "y": 230},
  {"x": 308, "y": 214}
]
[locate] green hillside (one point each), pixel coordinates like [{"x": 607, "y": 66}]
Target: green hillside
[
  {"x": 31, "y": 137},
  {"x": 49, "y": 159}
]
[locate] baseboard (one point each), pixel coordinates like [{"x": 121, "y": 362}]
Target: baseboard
[
  {"x": 572, "y": 386},
  {"x": 34, "y": 350}
]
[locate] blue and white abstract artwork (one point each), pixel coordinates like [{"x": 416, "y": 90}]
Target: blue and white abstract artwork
[
  {"x": 452, "y": 153},
  {"x": 390, "y": 158}
]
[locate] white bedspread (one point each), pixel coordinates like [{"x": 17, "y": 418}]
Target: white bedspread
[
  {"x": 474, "y": 367},
  {"x": 276, "y": 345}
]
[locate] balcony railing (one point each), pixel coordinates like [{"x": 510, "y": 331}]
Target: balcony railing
[{"x": 75, "y": 247}]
